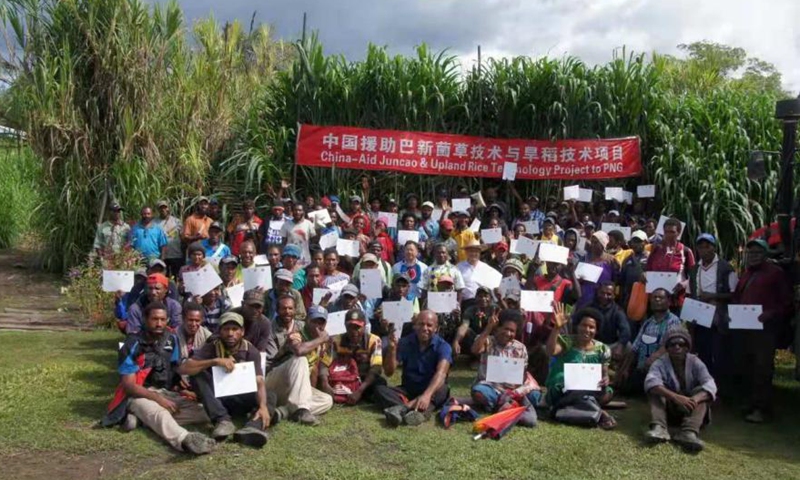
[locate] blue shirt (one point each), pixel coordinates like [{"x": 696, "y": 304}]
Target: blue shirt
[
  {"x": 224, "y": 250},
  {"x": 419, "y": 367},
  {"x": 148, "y": 240}
]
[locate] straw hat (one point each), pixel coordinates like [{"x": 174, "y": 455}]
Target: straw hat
[{"x": 474, "y": 245}]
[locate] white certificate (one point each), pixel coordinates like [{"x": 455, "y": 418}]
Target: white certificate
[
  {"x": 389, "y": 217},
  {"x": 492, "y": 235},
  {"x": 532, "y": 227},
  {"x": 240, "y": 381},
  {"x": 646, "y": 191},
  {"x": 276, "y": 224},
  {"x": 335, "y": 325},
  {"x": 628, "y": 197},
  {"x": 509, "y": 171},
  {"x": 319, "y": 293},
  {"x": 665, "y": 280},
  {"x": 328, "y": 240},
  {"x": 586, "y": 195},
  {"x": 745, "y": 317},
  {"x": 509, "y": 284},
  {"x": 537, "y": 301},
  {"x": 214, "y": 261},
  {"x": 345, "y": 218},
  {"x": 573, "y": 192},
  {"x": 698, "y": 312},
  {"x": 505, "y": 370},
  {"x": 442, "y": 302},
  {"x": 486, "y": 276},
  {"x": 461, "y": 204},
  {"x": 582, "y": 376},
  {"x": 347, "y": 248},
  {"x": 398, "y": 313},
  {"x": 257, "y": 277},
  {"x": 475, "y": 226},
  {"x": 587, "y": 271},
  {"x": 404, "y": 236},
  {"x": 117, "y": 280},
  {"x": 371, "y": 283},
  {"x": 260, "y": 260},
  {"x": 607, "y": 226},
  {"x": 660, "y": 226},
  {"x": 436, "y": 214},
  {"x": 549, "y": 252},
  {"x": 615, "y": 193},
  {"x": 321, "y": 218},
  {"x": 235, "y": 294},
  {"x": 201, "y": 281},
  {"x": 524, "y": 246},
  {"x": 581, "y": 246}
]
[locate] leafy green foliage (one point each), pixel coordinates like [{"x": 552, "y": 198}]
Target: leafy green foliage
[{"x": 20, "y": 172}]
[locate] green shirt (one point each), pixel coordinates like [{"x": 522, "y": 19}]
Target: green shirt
[
  {"x": 599, "y": 353},
  {"x": 112, "y": 236}
]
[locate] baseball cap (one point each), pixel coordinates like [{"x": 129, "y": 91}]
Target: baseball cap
[
  {"x": 315, "y": 312},
  {"x": 162, "y": 203},
  {"x": 355, "y": 198},
  {"x": 115, "y": 207},
  {"x": 253, "y": 297},
  {"x": 156, "y": 261},
  {"x": 350, "y": 290},
  {"x": 446, "y": 279},
  {"x": 231, "y": 317},
  {"x": 428, "y": 204},
  {"x": 461, "y": 213},
  {"x": 638, "y": 234},
  {"x": 513, "y": 294},
  {"x": 202, "y": 198},
  {"x": 402, "y": 276},
  {"x": 613, "y": 212},
  {"x": 514, "y": 264},
  {"x": 285, "y": 275},
  {"x": 215, "y": 225},
  {"x": 356, "y": 316},
  {"x": 589, "y": 224},
  {"x": 369, "y": 257},
  {"x": 140, "y": 273},
  {"x": 291, "y": 251},
  {"x": 229, "y": 259},
  {"x": 759, "y": 242},
  {"x": 214, "y": 201},
  {"x": 483, "y": 289},
  {"x": 707, "y": 237},
  {"x": 447, "y": 223}
]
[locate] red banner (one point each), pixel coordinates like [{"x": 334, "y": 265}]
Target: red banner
[{"x": 460, "y": 155}]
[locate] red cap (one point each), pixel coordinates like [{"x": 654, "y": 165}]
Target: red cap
[
  {"x": 447, "y": 223},
  {"x": 157, "y": 278},
  {"x": 325, "y": 202},
  {"x": 501, "y": 246}
]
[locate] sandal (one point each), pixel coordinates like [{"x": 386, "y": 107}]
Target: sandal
[{"x": 607, "y": 422}]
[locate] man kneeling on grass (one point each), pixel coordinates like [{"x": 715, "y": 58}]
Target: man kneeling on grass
[
  {"x": 680, "y": 391},
  {"x": 147, "y": 364},
  {"x": 226, "y": 350},
  {"x": 426, "y": 360}
]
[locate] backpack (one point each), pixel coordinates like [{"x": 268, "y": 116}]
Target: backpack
[{"x": 343, "y": 378}]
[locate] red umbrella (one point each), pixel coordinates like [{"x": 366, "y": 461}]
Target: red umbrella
[{"x": 496, "y": 425}]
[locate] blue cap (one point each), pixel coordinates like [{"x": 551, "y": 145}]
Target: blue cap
[
  {"x": 291, "y": 250},
  {"x": 706, "y": 237},
  {"x": 760, "y": 242},
  {"x": 334, "y": 199},
  {"x": 315, "y": 312}
]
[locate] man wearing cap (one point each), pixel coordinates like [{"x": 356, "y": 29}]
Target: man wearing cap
[
  {"x": 227, "y": 273},
  {"x": 147, "y": 238},
  {"x": 467, "y": 268},
  {"x": 113, "y": 234},
  {"x": 371, "y": 261},
  {"x": 449, "y": 322},
  {"x": 428, "y": 224},
  {"x": 157, "y": 285},
  {"x": 196, "y": 225},
  {"x": 214, "y": 248},
  {"x": 713, "y": 280},
  {"x": 227, "y": 350},
  {"x": 172, "y": 226},
  {"x": 155, "y": 265},
  {"x": 348, "y": 300},
  {"x": 269, "y": 232},
  {"x": 498, "y": 256},
  {"x": 215, "y": 210},
  {"x": 290, "y": 260},
  {"x": 446, "y": 229},
  {"x": 299, "y": 231},
  {"x": 632, "y": 268},
  {"x": 363, "y": 348},
  {"x": 283, "y": 286},
  {"x": 765, "y": 284},
  {"x": 462, "y": 234},
  {"x": 426, "y": 359},
  {"x": 148, "y": 364},
  {"x": 680, "y": 391},
  {"x": 473, "y": 320},
  {"x": 257, "y": 328},
  {"x": 288, "y": 372},
  {"x": 314, "y": 342},
  {"x": 441, "y": 267}
]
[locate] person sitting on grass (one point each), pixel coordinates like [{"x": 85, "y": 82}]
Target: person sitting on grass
[
  {"x": 680, "y": 391},
  {"x": 314, "y": 343},
  {"x": 148, "y": 361},
  {"x": 363, "y": 348},
  {"x": 497, "y": 339},
  {"x": 426, "y": 360},
  {"x": 157, "y": 286},
  {"x": 474, "y": 320},
  {"x": 578, "y": 407},
  {"x": 225, "y": 350}
]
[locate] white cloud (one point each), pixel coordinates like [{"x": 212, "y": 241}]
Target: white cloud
[{"x": 588, "y": 29}]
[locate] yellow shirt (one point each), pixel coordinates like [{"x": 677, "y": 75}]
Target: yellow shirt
[{"x": 462, "y": 238}]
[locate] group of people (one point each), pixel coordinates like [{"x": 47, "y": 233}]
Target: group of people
[{"x": 175, "y": 339}]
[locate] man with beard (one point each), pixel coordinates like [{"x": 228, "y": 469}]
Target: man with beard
[
  {"x": 196, "y": 225},
  {"x": 157, "y": 285},
  {"x": 299, "y": 231},
  {"x": 147, "y": 238}
]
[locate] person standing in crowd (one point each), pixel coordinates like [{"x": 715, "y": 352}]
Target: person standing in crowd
[
  {"x": 113, "y": 234},
  {"x": 441, "y": 266},
  {"x": 428, "y": 224},
  {"x": 195, "y": 227},
  {"x": 290, "y": 260},
  {"x": 299, "y": 231},
  {"x": 672, "y": 256},
  {"x": 467, "y": 268},
  {"x": 270, "y": 230},
  {"x": 767, "y": 285},
  {"x": 411, "y": 266},
  {"x": 633, "y": 267},
  {"x": 462, "y": 234},
  {"x": 247, "y": 258},
  {"x": 215, "y": 250},
  {"x": 244, "y": 227},
  {"x": 331, "y": 273},
  {"x": 172, "y": 227},
  {"x": 597, "y": 256}
]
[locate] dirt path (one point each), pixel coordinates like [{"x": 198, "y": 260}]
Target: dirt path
[{"x": 29, "y": 298}]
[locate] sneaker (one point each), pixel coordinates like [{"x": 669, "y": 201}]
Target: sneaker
[
  {"x": 689, "y": 441},
  {"x": 251, "y": 436},
  {"x": 223, "y": 429},
  {"x": 657, "y": 434},
  {"x": 198, "y": 444},
  {"x": 394, "y": 415},
  {"x": 304, "y": 417},
  {"x": 130, "y": 423},
  {"x": 414, "y": 418},
  {"x": 272, "y": 406},
  {"x": 755, "y": 416}
]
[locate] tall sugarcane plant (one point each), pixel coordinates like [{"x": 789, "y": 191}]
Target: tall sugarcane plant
[{"x": 695, "y": 143}]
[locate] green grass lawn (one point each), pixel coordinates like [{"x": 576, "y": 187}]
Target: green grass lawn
[{"x": 54, "y": 387}]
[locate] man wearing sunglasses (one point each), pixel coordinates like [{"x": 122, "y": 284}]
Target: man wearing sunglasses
[{"x": 680, "y": 391}]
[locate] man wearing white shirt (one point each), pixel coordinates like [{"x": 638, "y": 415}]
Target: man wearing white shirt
[
  {"x": 467, "y": 268},
  {"x": 298, "y": 231}
]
